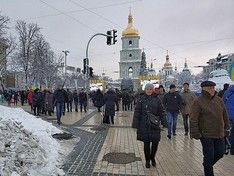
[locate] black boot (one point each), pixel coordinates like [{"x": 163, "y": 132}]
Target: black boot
[
  {"x": 112, "y": 119},
  {"x": 147, "y": 164},
  {"x": 153, "y": 162}
]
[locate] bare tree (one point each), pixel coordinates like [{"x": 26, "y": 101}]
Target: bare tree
[{"x": 27, "y": 35}]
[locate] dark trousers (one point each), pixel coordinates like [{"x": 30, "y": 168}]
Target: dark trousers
[
  {"x": 150, "y": 149},
  {"x": 76, "y": 106},
  {"x": 59, "y": 111},
  {"x": 124, "y": 107},
  {"x": 83, "y": 105},
  {"x": 106, "y": 119},
  {"x": 36, "y": 110},
  {"x": 213, "y": 150},
  {"x": 69, "y": 106},
  {"x": 186, "y": 124},
  {"x": 231, "y": 138}
]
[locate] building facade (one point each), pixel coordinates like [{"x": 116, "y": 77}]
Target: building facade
[{"x": 221, "y": 61}]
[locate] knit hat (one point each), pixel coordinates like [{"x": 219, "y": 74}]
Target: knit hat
[
  {"x": 149, "y": 85},
  {"x": 172, "y": 86}
]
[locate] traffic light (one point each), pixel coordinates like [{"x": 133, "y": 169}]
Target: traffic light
[
  {"x": 114, "y": 36},
  {"x": 108, "y": 38},
  {"x": 91, "y": 71},
  {"x": 85, "y": 65}
]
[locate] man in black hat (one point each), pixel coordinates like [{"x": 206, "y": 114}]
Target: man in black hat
[
  {"x": 172, "y": 102},
  {"x": 209, "y": 123}
]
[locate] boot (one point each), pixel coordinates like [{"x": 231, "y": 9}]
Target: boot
[
  {"x": 112, "y": 119},
  {"x": 147, "y": 164}
]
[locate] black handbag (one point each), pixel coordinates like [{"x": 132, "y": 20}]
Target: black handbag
[{"x": 153, "y": 121}]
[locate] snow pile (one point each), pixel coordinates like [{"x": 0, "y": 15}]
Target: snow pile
[{"x": 27, "y": 146}]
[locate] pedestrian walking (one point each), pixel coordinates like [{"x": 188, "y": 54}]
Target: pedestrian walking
[
  {"x": 161, "y": 94},
  {"x": 228, "y": 99},
  {"x": 187, "y": 100},
  {"x": 60, "y": 98},
  {"x": 49, "y": 105},
  {"x": 172, "y": 103},
  {"x": 110, "y": 100},
  {"x": 98, "y": 100},
  {"x": 69, "y": 100},
  {"x": 36, "y": 101},
  {"x": 221, "y": 92},
  {"x": 148, "y": 108},
  {"x": 209, "y": 123},
  {"x": 76, "y": 100},
  {"x": 22, "y": 97},
  {"x": 83, "y": 100}
]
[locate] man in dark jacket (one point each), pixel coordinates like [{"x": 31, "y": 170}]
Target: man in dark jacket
[
  {"x": 172, "y": 102},
  {"x": 36, "y": 101},
  {"x": 60, "y": 97},
  {"x": 69, "y": 100},
  {"x": 83, "y": 100},
  {"x": 209, "y": 123},
  {"x": 221, "y": 92},
  {"x": 76, "y": 99}
]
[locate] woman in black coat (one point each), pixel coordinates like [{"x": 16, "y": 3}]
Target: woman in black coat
[
  {"x": 148, "y": 103},
  {"x": 110, "y": 99},
  {"x": 98, "y": 100}
]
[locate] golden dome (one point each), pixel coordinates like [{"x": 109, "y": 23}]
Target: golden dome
[
  {"x": 167, "y": 64},
  {"x": 130, "y": 30}
]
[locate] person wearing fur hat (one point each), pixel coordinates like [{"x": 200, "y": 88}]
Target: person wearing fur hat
[
  {"x": 148, "y": 105},
  {"x": 209, "y": 123}
]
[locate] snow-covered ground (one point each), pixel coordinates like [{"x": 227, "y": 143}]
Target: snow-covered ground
[{"x": 27, "y": 146}]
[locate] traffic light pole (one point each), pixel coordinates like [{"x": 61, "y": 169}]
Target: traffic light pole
[{"x": 87, "y": 85}]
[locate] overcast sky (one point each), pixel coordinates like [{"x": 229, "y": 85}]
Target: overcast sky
[{"x": 194, "y": 29}]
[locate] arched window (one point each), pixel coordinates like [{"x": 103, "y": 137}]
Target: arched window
[
  {"x": 130, "y": 72},
  {"x": 130, "y": 42}
]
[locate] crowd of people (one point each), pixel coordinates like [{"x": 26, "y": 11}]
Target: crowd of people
[{"x": 208, "y": 117}]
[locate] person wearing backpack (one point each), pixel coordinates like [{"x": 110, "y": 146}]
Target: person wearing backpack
[{"x": 228, "y": 99}]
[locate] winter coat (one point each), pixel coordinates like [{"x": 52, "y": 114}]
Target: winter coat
[
  {"x": 110, "y": 99},
  {"x": 172, "y": 102},
  {"x": 29, "y": 97},
  {"x": 49, "y": 101},
  {"x": 75, "y": 97},
  {"x": 60, "y": 96},
  {"x": 187, "y": 100},
  {"x": 69, "y": 96},
  {"x": 208, "y": 117},
  {"x": 83, "y": 98},
  {"x": 98, "y": 99},
  {"x": 221, "y": 93},
  {"x": 152, "y": 104},
  {"x": 125, "y": 98},
  {"x": 228, "y": 99},
  {"x": 36, "y": 98}
]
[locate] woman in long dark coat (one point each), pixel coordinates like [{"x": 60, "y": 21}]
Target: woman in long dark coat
[
  {"x": 98, "y": 100},
  {"x": 110, "y": 99},
  {"x": 49, "y": 102},
  {"x": 148, "y": 103}
]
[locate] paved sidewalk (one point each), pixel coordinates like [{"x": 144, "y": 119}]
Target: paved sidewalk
[
  {"x": 176, "y": 157},
  {"x": 180, "y": 156}
]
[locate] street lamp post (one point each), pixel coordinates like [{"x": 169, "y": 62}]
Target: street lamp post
[
  {"x": 65, "y": 62},
  {"x": 87, "y": 85}
]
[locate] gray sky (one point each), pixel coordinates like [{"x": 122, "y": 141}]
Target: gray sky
[{"x": 194, "y": 29}]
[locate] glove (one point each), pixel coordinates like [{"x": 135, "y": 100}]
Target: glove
[{"x": 196, "y": 136}]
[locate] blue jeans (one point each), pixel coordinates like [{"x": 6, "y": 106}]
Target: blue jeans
[
  {"x": 231, "y": 138},
  {"x": 59, "y": 110},
  {"x": 171, "y": 122},
  {"x": 213, "y": 150}
]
